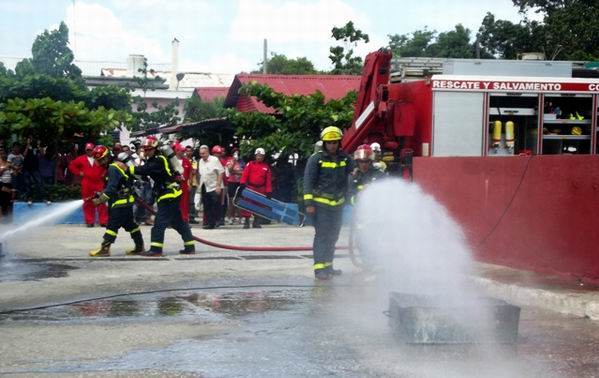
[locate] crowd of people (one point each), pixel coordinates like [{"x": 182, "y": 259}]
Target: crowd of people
[{"x": 168, "y": 178}]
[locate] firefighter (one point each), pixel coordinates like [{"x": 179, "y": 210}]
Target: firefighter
[
  {"x": 162, "y": 169},
  {"x": 256, "y": 176},
  {"x": 325, "y": 189},
  {"x": 377, "y": 157},
  {"x": 119, "y": 196},
  {"x": 92, "y": 181},
  {"x": 365, "y": 172}
]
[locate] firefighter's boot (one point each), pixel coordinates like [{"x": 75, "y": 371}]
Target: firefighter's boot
[
  {"x": 334, "y": 272},
  {"x": 137, "y": 250},
  {"x": 189, "y": 248},
  {"x": 103, "y": 251}
]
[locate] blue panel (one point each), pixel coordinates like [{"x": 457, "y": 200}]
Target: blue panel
[{"x": 22, "y": 212}]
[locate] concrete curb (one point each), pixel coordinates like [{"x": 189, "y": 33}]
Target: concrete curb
[{"x": 565, "y": 302}]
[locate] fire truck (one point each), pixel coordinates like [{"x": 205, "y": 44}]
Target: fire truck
[{"x": 508, "y": 147}]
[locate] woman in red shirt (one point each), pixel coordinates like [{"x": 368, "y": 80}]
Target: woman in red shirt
[{"x": 257, "y": 176}]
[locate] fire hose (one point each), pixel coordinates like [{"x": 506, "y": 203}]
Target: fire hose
[{"x": 237, "y": 247}]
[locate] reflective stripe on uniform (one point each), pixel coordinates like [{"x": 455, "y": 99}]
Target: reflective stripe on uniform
[
  {"x": 174, "y": 194},
  {"x": 191, "y": 242},
  {"x": 156, "y": 244},
  {"x": 168, "y": 169},
  {"x": 319, "y": 266},
  {"x": 110, "y": 232},
  {"x": 134, "y": 230},
  {"x": 132, "y": 169},
  {"x": 328, "y": 264},
  {"x": 329, "y": 202},
  {"x": 330, "y": 164},
  {"x": 124, "y": 201},
  {"x": 120, "y": 170},
  {"x": 308, "y": 196}
]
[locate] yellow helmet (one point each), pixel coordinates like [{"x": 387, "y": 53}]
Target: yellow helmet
[{"x": 331, "y": 133}]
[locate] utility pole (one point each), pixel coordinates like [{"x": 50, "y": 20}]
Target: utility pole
[{"x": 265, "y": 61}]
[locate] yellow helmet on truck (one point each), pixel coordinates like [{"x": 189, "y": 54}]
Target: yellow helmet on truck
[{"x": 331, "y": 133}]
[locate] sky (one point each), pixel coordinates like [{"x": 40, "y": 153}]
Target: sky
[{"x": 225, "y": 36}]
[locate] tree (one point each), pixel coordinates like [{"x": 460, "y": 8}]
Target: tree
[
  {"x": 415, "y": 46},
  {"x": 296, "y": 124},
  {"x": 504, "y": 39},
  {"x": 280, "y": 64},
  {"x": 51, "y": 55},
  {"x": 453, "y": 44},
  {"x": 342, "y": 57},
  {"x": 569, "y": 29}
]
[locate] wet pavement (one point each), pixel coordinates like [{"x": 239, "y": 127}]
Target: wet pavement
[{"x": 336, "y": 329}]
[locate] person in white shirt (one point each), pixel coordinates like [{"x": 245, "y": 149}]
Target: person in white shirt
[{"x": 210, "y": 173}]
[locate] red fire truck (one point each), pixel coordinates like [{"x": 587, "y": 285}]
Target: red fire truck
[{"x": 507, "y": 146}]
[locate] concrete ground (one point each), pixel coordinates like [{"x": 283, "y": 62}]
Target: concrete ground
[{"x": 250, "y": 313}]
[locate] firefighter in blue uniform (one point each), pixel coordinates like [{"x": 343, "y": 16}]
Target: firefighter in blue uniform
[
  {"x": 120, "y": 200},
  {"x": 168, "y": 193},
  {"x": 325, "y": 190}
]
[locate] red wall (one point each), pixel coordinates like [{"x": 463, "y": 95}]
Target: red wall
[{"x": 539, "y": 213}]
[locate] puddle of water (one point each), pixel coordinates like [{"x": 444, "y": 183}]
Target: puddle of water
[
  {"x": 192, "y": 305},
  {"x": 22, "y": 270}
]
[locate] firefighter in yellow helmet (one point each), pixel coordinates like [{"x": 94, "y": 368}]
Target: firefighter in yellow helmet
[{"x": 325, "y": 190}]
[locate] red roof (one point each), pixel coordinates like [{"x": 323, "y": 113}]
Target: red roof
[
  {"x": 331, "y": 86},
  {"x": 208, "y": 94}
]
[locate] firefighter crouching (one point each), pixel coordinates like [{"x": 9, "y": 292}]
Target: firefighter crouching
[
  {"x": 325, "y": 189},
  {"x": 365, "y": 172},
  {"x": 162, "y": 169},
  {"x": 119, "y": 195}
]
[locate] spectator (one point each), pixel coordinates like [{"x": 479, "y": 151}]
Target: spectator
[
  {"x": 184, "y": 181},
  {"x": 92, "y": 180},
  {"x": 33, "y": 180},
  {"x": 234, "y": 170},
  {"x": 257, "y": 176},
  {"x": 46, "y": 163},
  {"x": 219, "y": 152},
  {"x": 15, "y": 158},
  {"x": 6, "y": 189},
  {"x": 211, "y": 174},
  {"x": 193, "y": 184}
]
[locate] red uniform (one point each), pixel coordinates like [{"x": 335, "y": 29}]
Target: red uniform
[
  {"x": 257, "y": 176},
  {"x": 184, "y": 202},
  {"x": 92, "y": 181}
]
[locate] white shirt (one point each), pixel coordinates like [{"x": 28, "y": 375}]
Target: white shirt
[
  {"x": 209, "y": 170},
  {"x": 91, "y": 160}
]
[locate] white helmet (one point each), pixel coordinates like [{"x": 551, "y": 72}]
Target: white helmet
[
  {"x": 260, "y": 151},
  {"x": 375, "y": 147}
]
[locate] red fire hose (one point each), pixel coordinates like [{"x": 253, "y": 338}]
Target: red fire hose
[{"x": 238, "y": 247}]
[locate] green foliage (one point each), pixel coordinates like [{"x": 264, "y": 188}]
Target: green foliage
[
  {"x": 342, "y": 57},
  {"x": 415, "y": 46},
  {"x": 426, "y": 43},
  {"x": 55, "y": 122},
  {"x": 296, "y": 124},
  {"x": 197, "y": 110},
  {"x": 504, "y": 39},
  {"x": 61, "y": 192},
  {"x": 280, "y": 64},
  {"x": 51, "y": 55}
]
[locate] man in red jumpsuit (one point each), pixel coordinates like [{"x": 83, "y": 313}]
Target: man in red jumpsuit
[
  {"x": 92, "y": 180},
  {"x": 256, "y": 176},
  {"x": 184, "y": 183}
]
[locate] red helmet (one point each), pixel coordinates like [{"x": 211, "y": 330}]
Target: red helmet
[
  {"x": 100, "y": 152},
  {"x": 178, "y": 147},
  {"x": 149, "y": 142},
  {"x": 363, "y": 152},
  {"x": 89, "y": 147},
  {"x": 217, "y": 150}
]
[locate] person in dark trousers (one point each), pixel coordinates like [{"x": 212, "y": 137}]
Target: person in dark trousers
[
  {"x": 168, "y": 195},
  {"x": 119, "y": 196},
  {"x": 325, "y": 190},
  {"x": 211, "y": 173}
]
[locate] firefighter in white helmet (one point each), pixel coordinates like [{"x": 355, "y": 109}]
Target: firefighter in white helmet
[
  {"x": 378, "y": 163},
  {"x": 325, "y": 189},
  {"x": 364, "y": 173}
]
